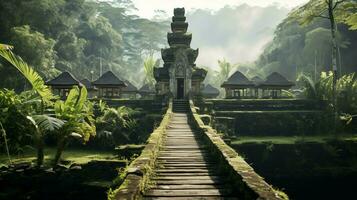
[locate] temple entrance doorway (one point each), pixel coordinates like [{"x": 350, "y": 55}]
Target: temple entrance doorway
[{"x": 180, "y": 88}]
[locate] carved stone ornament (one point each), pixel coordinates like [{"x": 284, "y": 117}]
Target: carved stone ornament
[{"x": 181, "y": 64}]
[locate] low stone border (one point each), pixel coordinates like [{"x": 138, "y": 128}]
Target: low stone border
[
  {"x": 248, "y": 183},
  {"x": 139, "y": 171}
]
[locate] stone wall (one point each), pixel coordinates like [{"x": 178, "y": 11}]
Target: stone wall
[
  {"x": 243, "y": 178},
  {"x": 269, "y": 116},
  {"x": 283, "y": 123},
  {"x": 156, "y": 105},
  {"x": 261, "y": 104}
]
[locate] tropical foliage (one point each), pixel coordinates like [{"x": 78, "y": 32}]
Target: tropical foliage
[
  {"x": 36, "y": 81},
  {"x": 73, "y": 117},
  {"x": 322, "y": 89},
  {"x": 76, "y": 35},
  {"x": 149, "y": 64},
  {"x": 77, "y": 113},
  {"x": 116, "y": 126}
]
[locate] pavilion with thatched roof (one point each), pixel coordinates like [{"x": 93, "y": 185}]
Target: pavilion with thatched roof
[
  {"x": 146, "y": 92},
  {"x": 63, "y": 83},
  {"x": 238, "y": 86},
  {"x": 210, "y": 92},
  {"x": 109, "y": 85},
  {"x": 274, "y": 84},
  {"x": 130, "y": 91}
]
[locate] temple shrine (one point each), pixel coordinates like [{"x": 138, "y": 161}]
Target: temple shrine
[{"x": 179, "y": 77}]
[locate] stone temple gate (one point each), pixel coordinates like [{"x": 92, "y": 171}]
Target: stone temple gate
[{"x": 179, "y": 77}]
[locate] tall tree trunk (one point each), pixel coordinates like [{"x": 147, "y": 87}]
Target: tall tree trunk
[
  {"x": 334, "y": 59},
  {"x": 60, "y": 147}
]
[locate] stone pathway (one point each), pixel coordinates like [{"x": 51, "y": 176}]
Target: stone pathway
[{"x": 184, "y": 170}]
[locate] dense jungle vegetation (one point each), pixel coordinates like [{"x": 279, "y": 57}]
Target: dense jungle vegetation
[
  {"x": 76, "y": 35},
  {"x": 41, "y": 38}
]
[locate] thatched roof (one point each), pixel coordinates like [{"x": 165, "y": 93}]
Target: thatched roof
[
  {"x": 109, "y": 79},
  {"x": 146, "y": 89},
  {"x": 276, "y": 79},
  {"x": 129, "y": 87},
  {"x": 238, "y": 79},
  {"x": 210, "y": 90},
  {"x": 64, "y": 79}
]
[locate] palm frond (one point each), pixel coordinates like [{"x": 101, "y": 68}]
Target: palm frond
[
  {"x": 5, "y": 47},
  {"x": 149, "y": 65},
  {"x": 30, "y": 74},
  {"x": 46, "y": 122},
  {"x": 309, "y": 86}
]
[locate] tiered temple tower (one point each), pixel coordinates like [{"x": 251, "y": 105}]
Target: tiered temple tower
[{"x": 179, "y": 76}]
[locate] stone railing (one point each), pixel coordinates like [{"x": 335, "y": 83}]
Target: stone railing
[
  {"x": 262, "y": 104},
  {"x": 244, "y": 180},
  {"x": 139, "y": 171}
]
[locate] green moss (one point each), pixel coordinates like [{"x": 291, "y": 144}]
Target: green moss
[
  {"x": 145, "y": 163},
  {"x": 291, "y": 139}
]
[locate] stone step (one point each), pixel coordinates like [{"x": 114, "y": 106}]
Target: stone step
[
  {"x": 187, "y": 192},
  {"x": 189, "y": 182},
  {"x": 187, "y": 174},
  {"x": 191, "y": 198},
  {"x": 182, "y": 170},
  {"x": 167, "y": 177},
  {"x": 180, "y": 187}
]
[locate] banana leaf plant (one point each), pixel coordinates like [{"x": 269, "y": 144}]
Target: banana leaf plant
[{"x": 77, "y": 112}]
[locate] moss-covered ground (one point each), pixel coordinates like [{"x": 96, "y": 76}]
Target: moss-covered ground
[
  {"x": 292, "y": 139},
  {"x": 78, "y": 156}
]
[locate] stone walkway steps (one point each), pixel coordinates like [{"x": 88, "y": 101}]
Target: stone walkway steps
[{"x": 184, "y": 169}]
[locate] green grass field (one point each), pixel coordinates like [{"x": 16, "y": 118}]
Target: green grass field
[{"x": 78, "y": 156}]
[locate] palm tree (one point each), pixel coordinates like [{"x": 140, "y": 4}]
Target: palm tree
[
  {"x": 74, "y": 117},
  {"x": 320, "y": 89},
  {"x": 225, "y": 69},
  {"x": 149, "y": 65}
]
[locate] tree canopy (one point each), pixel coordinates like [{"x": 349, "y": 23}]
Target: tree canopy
[{"x": 76, "y": 36}]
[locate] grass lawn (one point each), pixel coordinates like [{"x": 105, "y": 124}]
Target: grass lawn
[
  {"x": 79, "y": 156},
  {"x": 291, "y": 139}
]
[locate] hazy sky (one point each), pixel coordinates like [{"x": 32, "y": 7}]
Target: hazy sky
[
  {"x": 237, "y": 33},
  {"x": 147, "y": 7}
]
